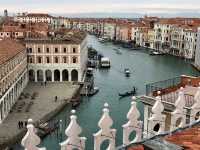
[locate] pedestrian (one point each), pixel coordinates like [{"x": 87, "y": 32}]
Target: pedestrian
[
  {"x": 22, "y": 125},
  {"x": 26, "y": 123},
  {"x": 56, "y": 98},
  {"x": 19, "y": 124}
]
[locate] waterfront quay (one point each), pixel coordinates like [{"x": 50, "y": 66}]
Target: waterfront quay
[{"x": 37, "y": 102}]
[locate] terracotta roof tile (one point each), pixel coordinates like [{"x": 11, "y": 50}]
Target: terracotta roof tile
[
  {"x": 139, "y": 147},
  {"x": 9, "y": 48}
]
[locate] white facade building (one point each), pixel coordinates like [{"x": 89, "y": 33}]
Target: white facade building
[
  {"x": 57, "y": 60},
  {"x": 197, "y": 53}
]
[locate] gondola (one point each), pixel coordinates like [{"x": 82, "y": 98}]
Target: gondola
[
  {"x": 129, "y": 93},
  {"x": 75, "y": 104}
]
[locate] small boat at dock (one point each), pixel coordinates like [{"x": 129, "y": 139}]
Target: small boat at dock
[
  {"x": 75, "y": 104},
  {"x": 105, "y": 62}
]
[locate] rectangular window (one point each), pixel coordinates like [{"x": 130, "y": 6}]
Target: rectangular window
[
  {"x": 39, "y": 51},
  {"x": 47, "y": 50},
  {"x": 56, "y": 50},
  {"x": 64, "y": 50}
]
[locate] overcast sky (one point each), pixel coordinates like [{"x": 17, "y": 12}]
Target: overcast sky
[{"x": 108, "y": 6}]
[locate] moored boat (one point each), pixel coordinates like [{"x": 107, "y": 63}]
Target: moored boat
[{"x": 105, "y": 62}]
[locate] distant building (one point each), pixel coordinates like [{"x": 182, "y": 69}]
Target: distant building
[
  {"x": 57, "y": 58},
  {"x": 34, "y": 18},
  {"x": 13, "y": 74},
  {"x": 197, "y": 52},
  {"x": 5, "y": 13}
]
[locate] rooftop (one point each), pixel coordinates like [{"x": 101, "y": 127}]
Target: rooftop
[
  {"x": 61, "y": 36},
  {"x": 186, "y": 138},
  {"x": 9, "y": 48}
]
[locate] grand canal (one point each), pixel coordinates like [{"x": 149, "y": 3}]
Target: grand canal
[{"x": 145, "y": 69}]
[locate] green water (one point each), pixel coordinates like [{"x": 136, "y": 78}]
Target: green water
[{"x": 145, "y": 69}]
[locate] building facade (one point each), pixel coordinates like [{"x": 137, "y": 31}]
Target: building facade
[
  {"x": 33, "y": 18},
  {"x": 57, "y": 60},
  {"x": 13, "y": 74}
]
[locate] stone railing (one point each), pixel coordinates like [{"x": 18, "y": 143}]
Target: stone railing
[
  {"x": 74, "y": 141},
  {"x": 156, "y": 126}
]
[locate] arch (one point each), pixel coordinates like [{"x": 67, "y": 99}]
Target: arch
[
  {"x": 48, "y": 75},
  {"x": 74, "y": 75},
  {"x": 105, "y": 144},
  {"x": 197, "y": 116},
  {"x": 65, "y": 75},
  {"x": 56, "y": 75},
  {"x": 178, "y": 122},
  {"x": 31, "y": 75},
  {"x": 156, "y": 127},
  {"x": 40, "y": 76},
  {"x": 132, "y": 135}
]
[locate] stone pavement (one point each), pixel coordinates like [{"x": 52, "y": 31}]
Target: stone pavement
[{"x": 36, "y": 102}]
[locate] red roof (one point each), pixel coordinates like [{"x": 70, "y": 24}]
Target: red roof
[{"x": 9, "y": 48}]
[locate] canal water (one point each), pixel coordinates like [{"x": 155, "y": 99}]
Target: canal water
[{"x": 144, "y": 69}]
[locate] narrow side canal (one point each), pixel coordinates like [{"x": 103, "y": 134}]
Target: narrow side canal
[{"x": 144, "y": 69}]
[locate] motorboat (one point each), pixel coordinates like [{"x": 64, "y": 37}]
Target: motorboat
[
  {"x": 127, "y": 72},
  {"x": 155, "y": 53},
  {"x": 89, "y": 72},
  {"x": 105, "y": 62}
]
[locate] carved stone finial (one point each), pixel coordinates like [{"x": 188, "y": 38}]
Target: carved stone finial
[
  {"x": 133, "y": 124},
  {"x": 31, "y": 140},
  {"x": 105, "y": 132},
  {"x": 73, "y": 131},
  {"x": 157, "y": 118},
  {"x": 179, "y": 112}
]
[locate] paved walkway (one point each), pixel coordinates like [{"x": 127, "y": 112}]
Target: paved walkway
[{"x": 36, "y": 102}]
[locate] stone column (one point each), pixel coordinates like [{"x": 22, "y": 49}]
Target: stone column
[
  {"x": 52, "y": 75},
  {"x": 69, "y": 75},
  {"x": 61, "y": 79},
  {"x": 44, "y": 76},
  {"x": 35, "y": 76}
]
